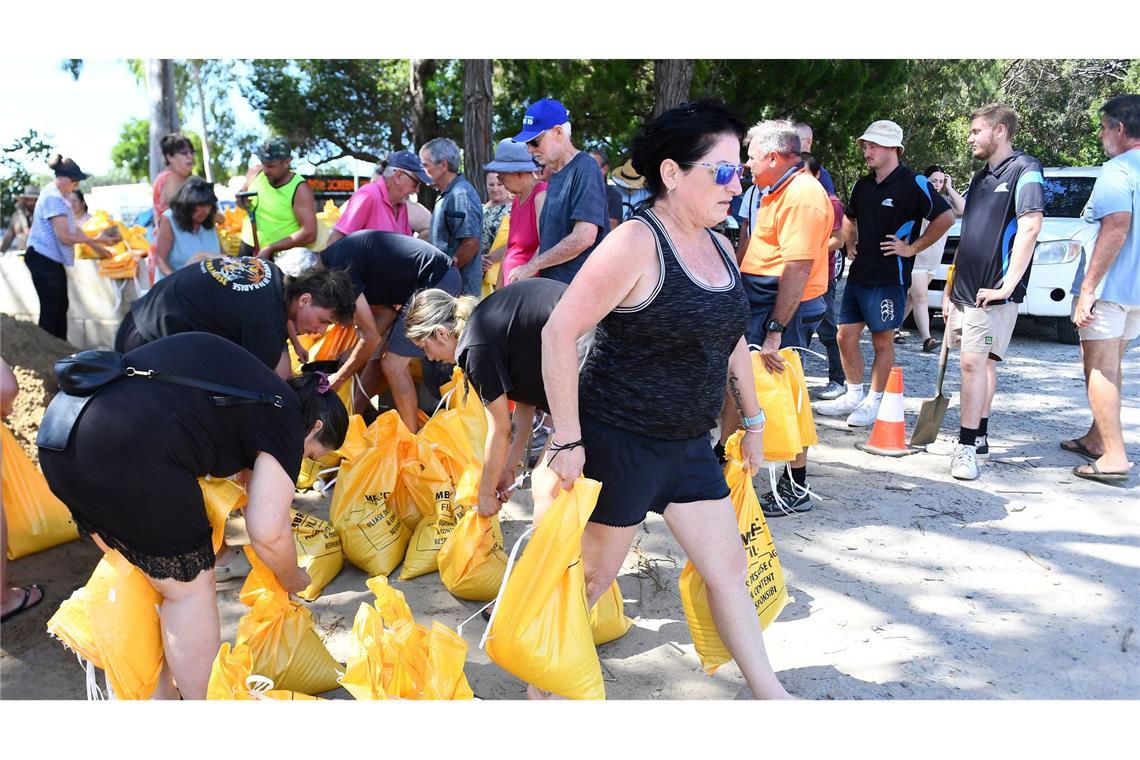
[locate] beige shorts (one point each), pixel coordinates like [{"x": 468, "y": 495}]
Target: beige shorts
[
  {"x": 981, "y": 331},
  {"x": 1111, "y": 321}
]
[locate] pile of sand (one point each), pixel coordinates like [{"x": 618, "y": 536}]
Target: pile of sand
[{"x": 30, "y": 352}]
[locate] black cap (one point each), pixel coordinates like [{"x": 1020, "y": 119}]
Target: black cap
[{"x": 70, "y": 169}]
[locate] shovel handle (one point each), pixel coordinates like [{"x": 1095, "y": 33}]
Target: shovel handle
[{"x": 942, "y": 357}]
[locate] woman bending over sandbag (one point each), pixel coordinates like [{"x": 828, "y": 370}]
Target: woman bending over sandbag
[
  {"x": 246, "y": 301},
  {"x": 666, "y": 296},
  {"x": 129, "y": 474},
  {"x": 497, "y": 344}
]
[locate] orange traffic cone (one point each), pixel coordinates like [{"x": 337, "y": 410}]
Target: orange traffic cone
[{"x": 888, "y": 436}]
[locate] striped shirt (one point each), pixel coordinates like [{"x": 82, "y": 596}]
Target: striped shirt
[{"x": 43, "y": 237}]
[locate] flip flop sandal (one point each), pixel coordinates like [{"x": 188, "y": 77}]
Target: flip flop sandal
[
  {"x": 899, "y": 337},
  {"x": 1080, "y": 449},
  {"x": 24, "y": 606},
  {"x": 930, "y": 344},
  {"x": 1100, "y": 477}
]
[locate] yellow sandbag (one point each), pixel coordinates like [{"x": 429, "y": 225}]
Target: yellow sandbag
[
  {"x": 232, "y": 678},
  {"x": 221, "y": 497},
  {"x": 429, "y": 488},
  {"x": 781, "y": 426},
  {"x": 464, "y": 400},
  {"x": 765, "y": 577},
  {"x": 373, "y": 536},
  {"x": 393, "y": 657},
  {"x": 280, "y": 635},
  {"x": 447, "y": 652},
  {"x": 113, "y": 623},
  {"x": 797, "y": 384},
  {"x": 445, "y": 432},
  {"x": 540, "y": 630},
  {"x": 37, "y": 520},
  {"x": 472, "y": 560},
  {"x": 608, "y": 620},
  {"x": 319, "y": 551}
]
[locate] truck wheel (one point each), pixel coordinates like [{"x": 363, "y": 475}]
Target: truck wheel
[{"x": 1067, "y": 332}]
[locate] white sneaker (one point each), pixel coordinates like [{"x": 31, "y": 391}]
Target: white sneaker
[
  {"x": 865, "y": 414},
  {"x": 964, "y": 463},
  {"x": 839, "y": 407}
]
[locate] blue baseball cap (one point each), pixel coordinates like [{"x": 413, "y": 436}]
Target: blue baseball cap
[
  {"x": 409, "y": 162},
  {"x": 540, "y": 117}
]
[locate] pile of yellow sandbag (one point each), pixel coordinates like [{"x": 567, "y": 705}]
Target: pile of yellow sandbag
[{"x": 229, "y": 229}]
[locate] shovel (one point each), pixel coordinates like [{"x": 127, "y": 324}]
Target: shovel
[{"x": 932, "y": 411}]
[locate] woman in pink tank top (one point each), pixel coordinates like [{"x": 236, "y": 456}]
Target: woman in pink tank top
[{"x": 516, "y": 170}]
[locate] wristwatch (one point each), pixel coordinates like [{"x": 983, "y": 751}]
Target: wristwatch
[
  {"x": 754, "y": 421},
  {"x": 774, "y": 326}
]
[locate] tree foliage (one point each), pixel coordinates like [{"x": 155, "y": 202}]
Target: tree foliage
[{"x": 15, "y": 161}]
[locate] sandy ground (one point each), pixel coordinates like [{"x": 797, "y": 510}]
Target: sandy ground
[{"x": 1024, "y": 584}]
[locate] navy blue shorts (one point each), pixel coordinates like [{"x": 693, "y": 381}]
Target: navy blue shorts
[
  {"x": 879, "y": 306},
  {"x": 640, "y": 474},
  {"x": 799, "y": 328},
  {"x": 398, "y": 342}
]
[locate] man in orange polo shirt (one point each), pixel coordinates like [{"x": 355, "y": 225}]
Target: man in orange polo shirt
[{"x": 785, "y": 269}]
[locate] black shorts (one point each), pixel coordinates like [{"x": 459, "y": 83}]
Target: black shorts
[{"x": 640, "y": 474}]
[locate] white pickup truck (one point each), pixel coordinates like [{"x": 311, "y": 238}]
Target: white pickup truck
[{"x": 1064, "y": 237}]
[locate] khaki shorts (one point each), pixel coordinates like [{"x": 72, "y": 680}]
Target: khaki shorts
[
  {"x": 981, "y": 331},
  {"x": 1111, "y": 321}
]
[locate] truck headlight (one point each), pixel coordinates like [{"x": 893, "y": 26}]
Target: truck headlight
[{"x": 1057, "y": 252}]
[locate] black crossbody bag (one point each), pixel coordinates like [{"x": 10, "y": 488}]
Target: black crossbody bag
[{"x": 82, "y": 375}]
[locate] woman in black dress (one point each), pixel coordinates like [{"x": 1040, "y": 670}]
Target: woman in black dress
[{"x": 129, "y": 476}]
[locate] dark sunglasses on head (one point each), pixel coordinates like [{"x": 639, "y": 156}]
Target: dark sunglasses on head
[{"x": 723, "y": 173}]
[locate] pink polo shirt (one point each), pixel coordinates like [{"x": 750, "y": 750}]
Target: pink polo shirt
[{"x": 370, "y": 209}]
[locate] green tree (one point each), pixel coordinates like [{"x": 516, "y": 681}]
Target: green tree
[
  {"x": 15, "y": 162},
  {"x": 132, "y": 152}
]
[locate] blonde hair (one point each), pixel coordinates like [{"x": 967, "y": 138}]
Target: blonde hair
[{"x": 434, "y": 308}]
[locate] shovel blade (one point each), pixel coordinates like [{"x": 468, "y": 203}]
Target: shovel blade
[{"x": 929, "y": 421}]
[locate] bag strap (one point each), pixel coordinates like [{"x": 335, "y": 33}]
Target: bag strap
[{"x": 230, "y": 396}]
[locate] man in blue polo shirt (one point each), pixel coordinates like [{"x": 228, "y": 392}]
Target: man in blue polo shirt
[
  {"x": 574, "y": 217},
  {"x": 881, "y": 225},
  {"x": 1004, "y": 209},
  {"x": 1107, "y": 307}
]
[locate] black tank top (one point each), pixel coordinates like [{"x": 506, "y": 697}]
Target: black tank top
[{"x": 660, "y": 368}]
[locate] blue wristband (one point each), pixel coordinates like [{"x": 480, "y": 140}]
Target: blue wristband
[{"x": 752, "y": 421}]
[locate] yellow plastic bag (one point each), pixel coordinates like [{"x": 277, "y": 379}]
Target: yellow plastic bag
[
  {"x": 540, "y": 629},
  {"x": 463, "y": 399},
  {"x": 797, "y": 385},
  {"x": 281, "y": 637},
  {"x": 318, "y": 551},
  {"x": 373, "y": 536},
  {"x": 608, "y": 620},
  {"x": 37, "y": 520},
  {"x": 430, "y": 488},
  {"x": 472, "y": 560},
  {"x": 221, "y": 497},
  {"x": 765, "y": 577},
  {"x": 781, "y": 427},
  {"x": 232, "y": 678},
  {"x": 491, "y": 276},
  {"x": 113, "y": 623},
  {"x": 396, "y": 658}
]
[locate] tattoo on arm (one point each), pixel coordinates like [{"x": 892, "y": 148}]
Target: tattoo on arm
[{"x": 735, "y": 392}]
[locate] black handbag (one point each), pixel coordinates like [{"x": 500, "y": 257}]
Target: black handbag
[{"x": 82, "y": 375}]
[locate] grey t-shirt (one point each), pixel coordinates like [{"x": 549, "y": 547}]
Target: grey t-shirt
[
  {"x": 577, "y": 193},
  {"x": 458, "y": 214}
]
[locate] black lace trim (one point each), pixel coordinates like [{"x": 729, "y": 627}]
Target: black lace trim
[{"x": 183, "y": 567}]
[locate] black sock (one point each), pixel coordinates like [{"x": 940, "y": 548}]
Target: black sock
[
  {"x": 799, "y": 474},
  {"x": 968, "y": 436},
  {"x": 984, "y": 428}
]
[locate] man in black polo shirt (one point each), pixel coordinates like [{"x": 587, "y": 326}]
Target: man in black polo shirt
[
  {"x": 1004, "y": 210},
  {"x": 881, "y": 227}
]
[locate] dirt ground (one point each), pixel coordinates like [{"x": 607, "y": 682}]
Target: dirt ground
[
  {"x": 906, "y": 584},
  {"x": 31, "y": 353}
]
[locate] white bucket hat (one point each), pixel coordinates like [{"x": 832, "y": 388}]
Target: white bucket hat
[{"x": 885, "y": 133}]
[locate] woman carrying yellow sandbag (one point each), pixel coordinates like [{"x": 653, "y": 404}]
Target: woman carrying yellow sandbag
[
  {"x": 666, "y": 296},
  {"x": 497, "y": 344},
  {"x": 159, "y": 419}
]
